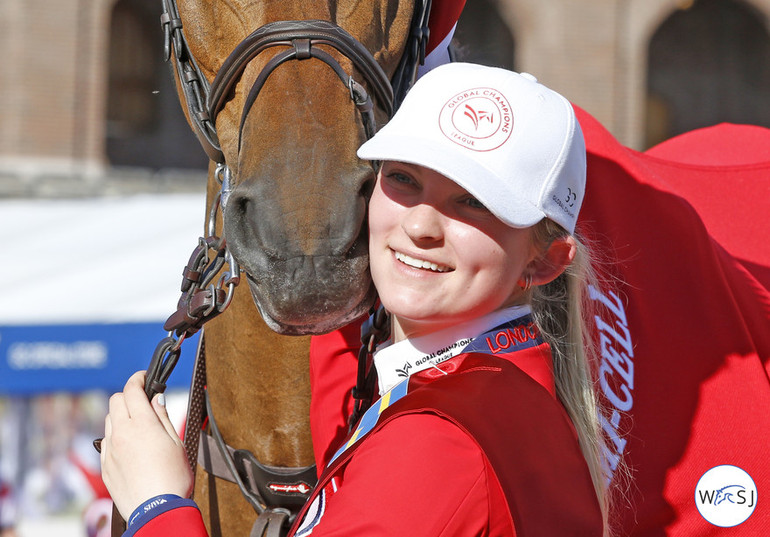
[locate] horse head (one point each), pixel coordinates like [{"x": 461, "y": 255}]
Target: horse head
[{"x": 295, "y": 217}]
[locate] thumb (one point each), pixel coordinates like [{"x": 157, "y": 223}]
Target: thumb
[{"x": 159, "y": 405}]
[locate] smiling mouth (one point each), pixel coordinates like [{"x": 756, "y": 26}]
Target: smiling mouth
[{"x": 420, "y": 264}]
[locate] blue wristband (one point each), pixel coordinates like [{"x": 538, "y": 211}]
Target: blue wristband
[{"x": 149, "y": 505}]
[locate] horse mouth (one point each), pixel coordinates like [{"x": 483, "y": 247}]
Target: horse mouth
[
  {"x": 306, "y": 274},
  {"x": 293, "y": 301}
]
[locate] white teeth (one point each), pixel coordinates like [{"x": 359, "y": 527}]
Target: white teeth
[{"x": 417, "y": 263}]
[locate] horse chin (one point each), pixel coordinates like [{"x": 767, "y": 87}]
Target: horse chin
[{"x": 312, "y": 313}]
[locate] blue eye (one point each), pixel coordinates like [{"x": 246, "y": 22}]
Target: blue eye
[
  {"x": 402, "y": 179},
  {"x": 474, "y": 203}
]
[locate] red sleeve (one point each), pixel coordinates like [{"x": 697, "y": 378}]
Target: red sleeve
[
  {"x": 418, "y": 475},
  {"x": 180, "y": 522}
]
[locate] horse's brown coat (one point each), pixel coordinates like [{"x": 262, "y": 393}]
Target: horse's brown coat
[{"x": 298, "y": 153}]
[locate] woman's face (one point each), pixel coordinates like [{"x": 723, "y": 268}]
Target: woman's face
[{"x": 438, "y": 257}]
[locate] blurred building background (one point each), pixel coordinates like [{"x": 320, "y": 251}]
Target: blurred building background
[
  {"x": 88, "y": 111},
  {"x": 88, "y": 105}
]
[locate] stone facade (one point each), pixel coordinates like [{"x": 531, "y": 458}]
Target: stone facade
[
  {"x": 55, "y": 78},
  {"x": 53, "y": 115},
  {"x": 53, "y": 85}
]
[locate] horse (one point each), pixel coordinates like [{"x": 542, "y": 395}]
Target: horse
[{"x": 293, "y": 198}]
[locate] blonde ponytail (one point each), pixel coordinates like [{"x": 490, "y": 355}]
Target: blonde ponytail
[{"x": 559, "y": 310}]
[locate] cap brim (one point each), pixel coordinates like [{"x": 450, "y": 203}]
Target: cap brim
[{"x": 450, "y": 161}]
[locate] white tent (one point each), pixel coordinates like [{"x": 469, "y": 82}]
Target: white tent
[{"x": 85, "y": 285}]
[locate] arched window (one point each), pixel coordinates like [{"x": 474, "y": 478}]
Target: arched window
[
  {"x": 146, "y": 127},
  {"x": 482, "y": 36},
  {"x": 708, "y": 63}
]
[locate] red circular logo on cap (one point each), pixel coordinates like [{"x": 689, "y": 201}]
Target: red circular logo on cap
[{"x": 479, "y": 119}]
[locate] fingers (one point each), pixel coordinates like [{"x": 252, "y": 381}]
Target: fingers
[
  {"x": 132, "y": 405},
  {"x": 142, "y": 455},
  {"x": 135, "y": 397},
  {"x": 117, "y": 407},
  {"x": 120, "y": 407},
  {"x": 159, "y": 404},
  {"x": 106, "y": 438}
]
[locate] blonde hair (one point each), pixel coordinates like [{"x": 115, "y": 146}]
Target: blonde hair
[{"x": 560, "y": 309}]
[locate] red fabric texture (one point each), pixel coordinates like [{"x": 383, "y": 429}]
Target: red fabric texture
[
  {"x": 333, "y": 363},
  {"x": 725, "y": 144},
  {"x": 722, "y": 172},
  {"x": 396, "y": 484},
  {"x": 686, "y": 374}
]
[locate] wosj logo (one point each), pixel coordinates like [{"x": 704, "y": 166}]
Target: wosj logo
[{"x": 726, "y": 496}]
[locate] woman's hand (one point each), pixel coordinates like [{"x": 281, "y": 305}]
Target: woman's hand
[{"x": 142, "y": 455}]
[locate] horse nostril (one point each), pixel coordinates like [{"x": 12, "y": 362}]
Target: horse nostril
[
  {"x": 367, "y": 187},
  {"x": 237, "y": 218}
]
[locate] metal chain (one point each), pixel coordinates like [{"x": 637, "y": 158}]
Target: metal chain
[{"x": 201, "y": 299}]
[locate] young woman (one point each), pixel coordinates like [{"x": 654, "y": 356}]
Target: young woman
[{"x": 486, "y": 420}]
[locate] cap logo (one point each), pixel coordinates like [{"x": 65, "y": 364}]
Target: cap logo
[{"x": 479, "y": 119}]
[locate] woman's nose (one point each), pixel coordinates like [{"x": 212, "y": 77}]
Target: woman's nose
[{"x": 422, "y": 223}]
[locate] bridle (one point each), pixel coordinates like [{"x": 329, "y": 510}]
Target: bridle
[
  {"x": 202, "y": 300},
  {"x": 301, "y": 40}
]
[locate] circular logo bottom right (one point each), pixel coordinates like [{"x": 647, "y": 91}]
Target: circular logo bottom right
[{"x": 726, "y": 496}]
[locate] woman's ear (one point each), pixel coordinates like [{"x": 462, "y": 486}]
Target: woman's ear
[{"x": 547, "y": 266}]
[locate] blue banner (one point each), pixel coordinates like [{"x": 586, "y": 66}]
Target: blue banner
[{"x": 79, "y": 357}]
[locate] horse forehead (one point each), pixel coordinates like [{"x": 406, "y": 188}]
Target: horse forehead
[
  {"x": 213, "y": 29},
  {"x": 382, "y": 26}
]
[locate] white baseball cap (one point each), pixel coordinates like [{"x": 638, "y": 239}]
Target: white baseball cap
[{"x": 512, "y": 143}]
